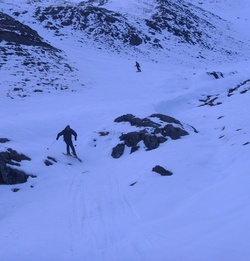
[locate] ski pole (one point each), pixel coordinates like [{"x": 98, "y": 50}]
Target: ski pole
[{"x": 51, "y": 144}]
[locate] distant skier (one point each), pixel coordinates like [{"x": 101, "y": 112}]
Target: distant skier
[
  {"x": 67, "y": 136},
  {"x": 137, "y": 65}
]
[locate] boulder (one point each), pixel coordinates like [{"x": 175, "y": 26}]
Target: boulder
[
  {"x": 118, "y": 151},
  {"x": 162, "y": 171}
]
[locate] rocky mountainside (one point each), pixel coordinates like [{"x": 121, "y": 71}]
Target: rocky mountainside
[
  {"x": 176, "y": 30},
  {"x": 168, "y": 27},
  {"x": 29, "y": 63}
]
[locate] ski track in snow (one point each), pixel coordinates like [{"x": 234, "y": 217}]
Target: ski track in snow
[{"x": 97, "y": 223}]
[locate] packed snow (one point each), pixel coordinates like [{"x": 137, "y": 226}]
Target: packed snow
[{"x": 107, "y": 209}]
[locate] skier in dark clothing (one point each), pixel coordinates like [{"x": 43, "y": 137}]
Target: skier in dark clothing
[
  {"x": 67, "y": 136},
  {"x": 137, "y": 65}
]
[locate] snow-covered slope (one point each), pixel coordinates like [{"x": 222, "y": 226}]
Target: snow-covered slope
[{"x": 118, "y": 209}]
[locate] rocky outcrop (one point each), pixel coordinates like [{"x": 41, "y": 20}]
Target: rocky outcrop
[
  {"x": 150, "y": 133},
  {"x": 9, "y": 163}
]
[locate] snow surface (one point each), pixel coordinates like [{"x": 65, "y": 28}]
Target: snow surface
[{"x": 90, "y": 211}]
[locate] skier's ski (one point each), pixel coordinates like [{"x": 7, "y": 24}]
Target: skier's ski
[{"x": 72, "y": 156}]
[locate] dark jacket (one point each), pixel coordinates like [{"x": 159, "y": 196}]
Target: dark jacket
[{"x": 67, "y": 133}]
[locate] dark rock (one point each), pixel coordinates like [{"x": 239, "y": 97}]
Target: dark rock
[
  {"x": 143, "y": 123},
  {"x": 118, "y": 150},
  {"x": 216, "y": 75},
  {"x": 52, "y": 159},
  {"x": 4, "y": 140},
  {"x": 136, "y": 121},
  {"x": 18, "y": 89},
  {"x": 210, "y": 100},
  {"x": 15, "y": 189},
  {"x": 194, "y": 129},
  {"x": 103, "y": 133},
  {"x": 152, "y": 25},
  {"x": 10, "y": 175},
  {"x": 173, "y": 132},
  {"x": 162, "y": 139},
  {"x": 151, "y": 142},
  {"x": 14, "y": 155},
  {"x": 134, "y": 149},
  {"x": 135, "y": 40},
  {"x": 244, "y": 84},
  {"x": 124, "y": 118},
  {"x": 157, "y": 131},
  {"x": 165, "y": 118},
  {"x": 131, "y": 139},
  {"x": 48, "y": 163},
  {"x": 162, "y": 171}
]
